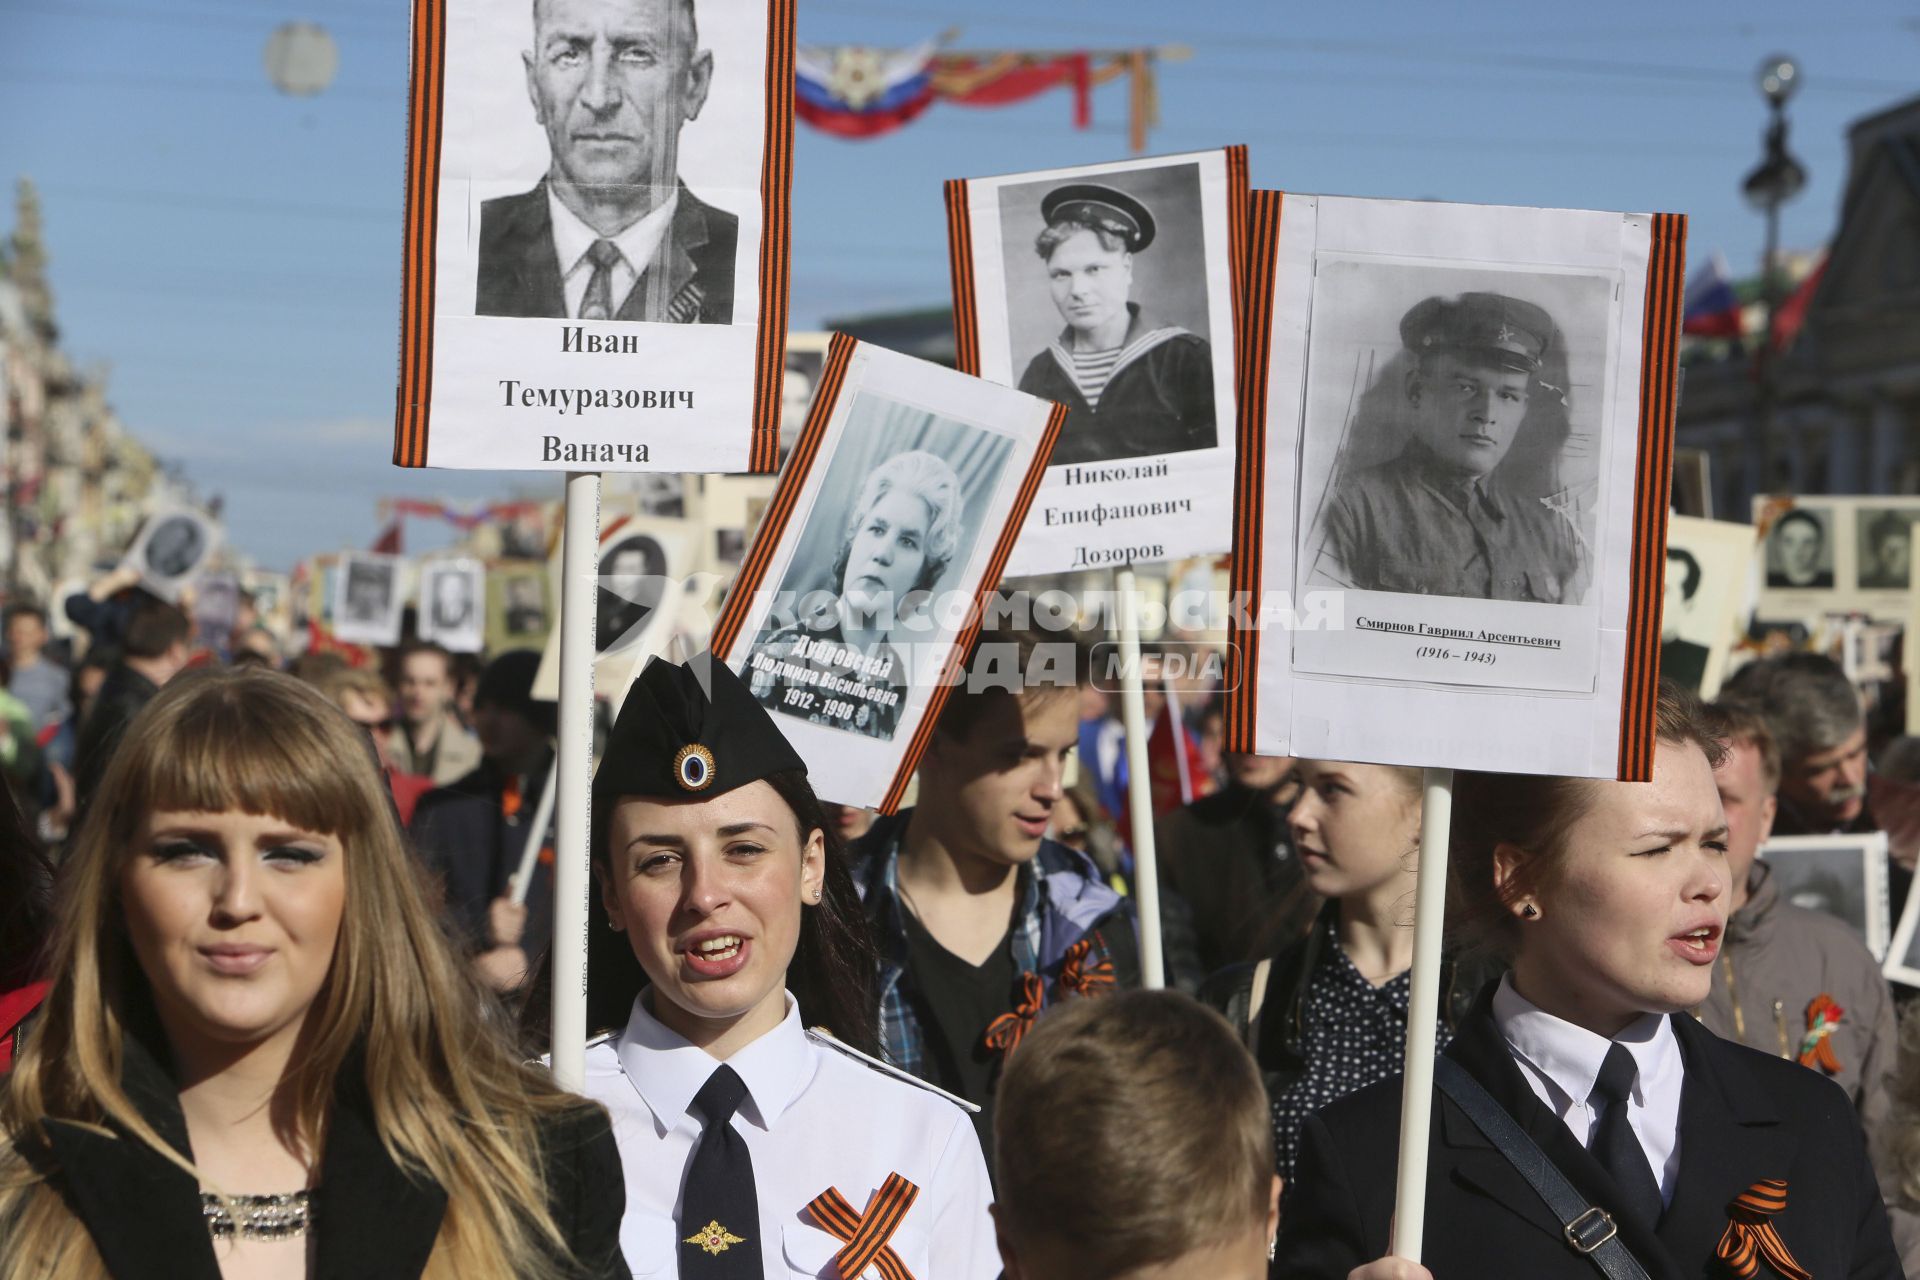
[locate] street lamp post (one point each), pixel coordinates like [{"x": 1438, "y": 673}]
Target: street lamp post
[{"x": 1777, "y": 179}]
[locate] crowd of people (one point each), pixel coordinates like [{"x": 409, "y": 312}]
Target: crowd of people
[{"x": 272, "y": 1000}]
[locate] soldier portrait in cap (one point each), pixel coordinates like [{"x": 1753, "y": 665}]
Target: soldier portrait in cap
[
  {"x": 1449, "y": 476},
  {"x": 1110, "y": 302},
  {"x": 1885, "y": 537},
  {"x": 369, "y": 605},
  {"x": 899, "y": 507}
]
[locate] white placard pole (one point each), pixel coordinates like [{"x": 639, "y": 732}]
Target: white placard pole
[
  {"x": 1133, "y": 714},
  {"x": 574, "y": 779},
  {"x": 1423, "y": 1015},
  {"x": 536, "y": 837}
]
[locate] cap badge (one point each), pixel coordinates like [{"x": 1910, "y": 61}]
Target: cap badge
[
  {"x": 1505, "y": 335},
  {"x": 693, "y": 767}
]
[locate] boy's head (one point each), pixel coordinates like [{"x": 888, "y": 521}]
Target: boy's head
[
  {"x": 1132, "y": 1141},
  {"x": 993, "y": 769}
]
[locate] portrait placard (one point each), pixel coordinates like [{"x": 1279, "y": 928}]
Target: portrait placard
[
  {"x": 369, "y": 599},
  {"x": 645, "y": 570},
  {"x": 1455, "y": 456},
  {"x": 1836, "y": 554},
  {"x": 1843, "y": 875},
  {"x": 453, "y": 597},
  {"x": 595, "y": 271},
  {"x": 894, "y": 518},
  {"x": 518, "y": 616},
  {"x": 1707, "y": 577},
  {"x": 1114, "y": 290},
  {"x": 171, "y": 548}
]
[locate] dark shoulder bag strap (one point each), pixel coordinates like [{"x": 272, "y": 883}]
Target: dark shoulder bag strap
[{"x": 1589, "y": 1229}]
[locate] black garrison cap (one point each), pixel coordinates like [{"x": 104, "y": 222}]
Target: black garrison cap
[
  {"x": 1510, "y": 332},
  {"x": 1112, "y": 211},
  {"x": 675, "y": 739}
]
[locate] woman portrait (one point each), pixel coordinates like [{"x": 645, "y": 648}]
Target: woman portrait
[
  {"x": 1133, "y": 385},
  {"x": 900, "y": 536}
]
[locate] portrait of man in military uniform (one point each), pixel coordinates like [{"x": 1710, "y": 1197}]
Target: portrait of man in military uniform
[
  {"x": 1480, "y": 383},
  {"x": 834, "y": 664}
]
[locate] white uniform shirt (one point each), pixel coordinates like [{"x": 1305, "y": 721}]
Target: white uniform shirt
[
  {"x": 813, "y": 1118},
  {"x": 1562, "y": 1061},
  {"x": 637, "y": 244}
]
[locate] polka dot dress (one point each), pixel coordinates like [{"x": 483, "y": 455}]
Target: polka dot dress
[{"x": 1355, "y": 1034}]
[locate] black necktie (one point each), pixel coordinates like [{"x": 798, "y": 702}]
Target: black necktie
[
  {"x": 719, "y": 1213},
  {"x": 1616, "y": 1146},
  {"x": 597, "y": 302}
]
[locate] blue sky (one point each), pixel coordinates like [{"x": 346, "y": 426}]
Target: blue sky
[{"x": 231, "y": 255}]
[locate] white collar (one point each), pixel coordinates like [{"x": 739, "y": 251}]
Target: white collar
[
  {"x": 667, "y": 1070},
  {"x": 637, "y": 244},
  {"x": 1570, "y": 1056}
]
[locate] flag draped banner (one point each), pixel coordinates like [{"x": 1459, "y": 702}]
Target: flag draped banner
[{"x": 855, "y": 91}]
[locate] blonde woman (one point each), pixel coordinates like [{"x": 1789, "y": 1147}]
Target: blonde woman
[{"x": 258, "y": 1057}]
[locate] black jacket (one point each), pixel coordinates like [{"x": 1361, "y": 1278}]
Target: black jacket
[
  {"x": 123, "y": 695},
  {"x": 520, "y": 272},
  {"x": 372, "y": 1221},
  {"x": 1277, "y": 1042},
  {"x": 1744, "y": 1116},
  {"x": 1230, "y": 857},
  {"x": 468, "y": 842}
]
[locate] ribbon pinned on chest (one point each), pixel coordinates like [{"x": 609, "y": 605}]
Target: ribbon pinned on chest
[
  {"x": 1816, "y": 1048},
  {"x": 1005, "y": 1032},
  {"x": 1750, "y": 1235},
  {"x": 866, "y": 1234},
  {"x": 1082, "y": 978}
]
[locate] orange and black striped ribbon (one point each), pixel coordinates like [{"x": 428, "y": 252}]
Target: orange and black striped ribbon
[
  {"x": 1005, "y": 1032},
  {"x": 1653, "y": 491},
  {"x": 1084, "y": 979},
  {"x": 866, "y": 1234},
  {"x": 776, "y": 185},
  {"x": 1750, "y": 1235},
  {"x": 1254, "y": 341},
  {"x": 424, "y": 109}
]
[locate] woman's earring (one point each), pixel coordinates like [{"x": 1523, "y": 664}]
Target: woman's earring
[
  {"x": 1529, "y": 911},
  {"x": 1273, "y": 1244},
  {"x": 614, "y": 925}
]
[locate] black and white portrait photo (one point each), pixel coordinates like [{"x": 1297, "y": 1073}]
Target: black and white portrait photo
[
  {"x": 1682, "y": 661},
  {"x": 1107, "y": 310},
  {"x": 525, "y": 605},
  {"x": 633, "y": 579},
  {"x": 1883, "y": 539},
  {"x": 1452, "y": 431},
  {"x": 451, "y": 596},
  {"x": 170, "y": 549},
  {"x": 1843, "y": 876},
  {"x": 1800, "y": 550},
  {"x": 369, "y": 605},
  {"x": 900, "y": 510},
  {"x": 612, "y": 231}
]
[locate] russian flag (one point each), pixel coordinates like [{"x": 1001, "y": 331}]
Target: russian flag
[
  {"x": 860, "y": 92},
  {"x": 1711, "y": 310}
]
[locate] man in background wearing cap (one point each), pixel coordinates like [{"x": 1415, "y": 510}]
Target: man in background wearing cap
[
  {"x": 473, "y": 832},
  {"x": 981, "y": 921},
  {"x": 1439, "y": 518},
  {"x": 1133, "y": 388}
]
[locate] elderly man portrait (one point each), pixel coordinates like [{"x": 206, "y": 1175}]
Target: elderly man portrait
[
  {"x": 1133, "y": 386},
  {"x": 1443, "y": 517},
  {"x": 611, "y": 232}
]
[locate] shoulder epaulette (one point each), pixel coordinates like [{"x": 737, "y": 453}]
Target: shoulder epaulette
[
  {"x": 820, "y": 1035},
  {"x": 545, "y": 1060}
]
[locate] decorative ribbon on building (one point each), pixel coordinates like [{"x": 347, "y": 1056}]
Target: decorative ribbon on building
[
  {"x": 465, "y": 521},
  {"x": 857, "y": 91}
]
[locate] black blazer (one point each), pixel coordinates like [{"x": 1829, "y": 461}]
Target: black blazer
[
  {"x": 372, "y": 1221},
  {"x": 1744, "y": 1116},
  {"x": 520, "y": 270}
]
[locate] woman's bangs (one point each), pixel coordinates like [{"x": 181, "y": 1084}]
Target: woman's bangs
[{"x": 221, "y": 756}]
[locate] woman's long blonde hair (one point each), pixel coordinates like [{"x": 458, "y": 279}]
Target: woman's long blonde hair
[{"x": 450, "y": 1100}]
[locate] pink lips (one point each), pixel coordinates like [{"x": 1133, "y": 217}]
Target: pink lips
[
  {"x": 236, "y": 959},
  {"x": 1703, "y": 952},
  {"x": 1032, "y": 828}
]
